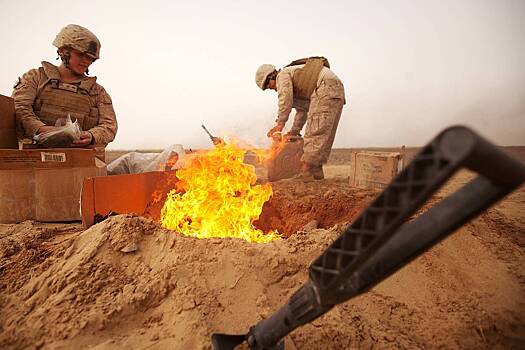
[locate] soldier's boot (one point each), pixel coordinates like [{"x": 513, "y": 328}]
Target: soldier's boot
[{"x": 305, "y": 175}]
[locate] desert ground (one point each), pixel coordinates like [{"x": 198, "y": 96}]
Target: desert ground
[{"x": 63, "y": 287}]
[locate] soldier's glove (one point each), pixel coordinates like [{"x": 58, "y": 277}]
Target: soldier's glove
[
  {"x": 277, "y": 128},
  {"x": 86, "y": 138},
  {"x": 292, "y": 136},
  {"x": 293, "y": 133},
  {"x": 217, "y": 141}
]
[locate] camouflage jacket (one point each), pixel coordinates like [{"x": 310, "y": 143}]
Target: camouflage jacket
[
  {"x": 41, "y": 98},
  {"x": 288, "y": 99}
]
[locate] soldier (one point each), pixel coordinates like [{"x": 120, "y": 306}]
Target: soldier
[
  {"x": 317, "y": 94},
  {"x": 49, "y": 93}
]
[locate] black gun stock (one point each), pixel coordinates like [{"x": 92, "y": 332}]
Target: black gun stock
[{"x": 382, "y": 240}]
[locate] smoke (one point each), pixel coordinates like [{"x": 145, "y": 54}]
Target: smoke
[{"x": 409, "y": 68}]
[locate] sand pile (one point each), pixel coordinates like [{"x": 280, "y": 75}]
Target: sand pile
[
  {"x": 127, "y": 283},
  {"x": 128, "y": 269}
]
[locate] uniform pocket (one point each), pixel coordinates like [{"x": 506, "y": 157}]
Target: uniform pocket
[
  {"x": 318, "y": 123},
  {"x": 320, "y": 102}
]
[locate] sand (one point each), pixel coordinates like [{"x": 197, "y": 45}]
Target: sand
[{"x": 127, "y": 283}]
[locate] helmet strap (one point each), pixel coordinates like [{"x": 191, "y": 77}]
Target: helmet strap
[{"x": 65, "y": 55}]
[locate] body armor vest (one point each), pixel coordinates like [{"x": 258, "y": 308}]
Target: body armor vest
[
  {"x": 56, "y": 99},
  {"x": 305, "y": 79}
]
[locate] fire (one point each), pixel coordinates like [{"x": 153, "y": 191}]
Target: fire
[
  {"x": 216, "y": 196},
  {"x": 266, "y": 155}
]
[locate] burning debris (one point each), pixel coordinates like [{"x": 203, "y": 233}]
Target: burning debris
[{"x": 216, "y": 196}]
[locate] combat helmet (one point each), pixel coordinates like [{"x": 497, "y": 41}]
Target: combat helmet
[
  {"x": 262, "y": 74},
  {"x": 78, "y": 38}
]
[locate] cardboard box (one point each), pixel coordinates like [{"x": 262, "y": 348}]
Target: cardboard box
[
  {"x": 8, "y": 137},
  {"x": 371, "y": 169},
  {"x": 143, "y": 194},
  {"x": 44, "y": 184},
  {"x": 100, "y": 152}
]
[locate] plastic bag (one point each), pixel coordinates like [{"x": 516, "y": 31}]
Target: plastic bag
[
  {"x": 66, "y": 132},
  {"x": 169, "y": 159},
  {"x": 136, "y": 162}
]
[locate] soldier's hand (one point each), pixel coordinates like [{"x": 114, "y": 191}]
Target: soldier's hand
[
  {"x": 278, "y": 127},
  {"x": 85, "y": 139},
  {"x": 217, "y": 141},
  {"x": 293, "y": 133}
]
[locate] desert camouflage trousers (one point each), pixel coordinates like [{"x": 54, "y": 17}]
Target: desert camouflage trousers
[{"x": 326, "y": 105}]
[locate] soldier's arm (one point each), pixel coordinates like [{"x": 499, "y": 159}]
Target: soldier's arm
[
  {"x": 107, "y": 126},
  {"x": 285, "y": 95},
  {"x": 24, "y": 94},
  {"x": 298, "y": 121}
]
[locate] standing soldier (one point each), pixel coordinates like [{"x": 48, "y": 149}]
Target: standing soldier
[
  {"x": 49, "y": 93},
  {"x": 317, "y": 94}
]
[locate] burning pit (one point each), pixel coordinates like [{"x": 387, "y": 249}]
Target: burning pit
[{"x": 218, "y": 195}]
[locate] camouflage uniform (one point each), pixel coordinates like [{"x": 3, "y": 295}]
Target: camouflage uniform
[
  {"x": 41, "y": 98},
  {"x": 321, "y": 112}
]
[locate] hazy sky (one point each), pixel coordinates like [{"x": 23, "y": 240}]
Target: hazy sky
[{"x": 410, "y": 68}]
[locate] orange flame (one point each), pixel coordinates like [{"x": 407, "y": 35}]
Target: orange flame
[
  {"x": 265, "y": 156},
  {"x": 216, "y": 196}
]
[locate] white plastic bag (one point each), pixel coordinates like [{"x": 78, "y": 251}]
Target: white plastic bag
[
  {"x": 136, "y": 162},
  {"x": 63, "y": 136},
  {"x": 169, "y": 159}
]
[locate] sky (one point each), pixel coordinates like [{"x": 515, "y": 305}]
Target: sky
[{"x": 410, "y": 68}]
